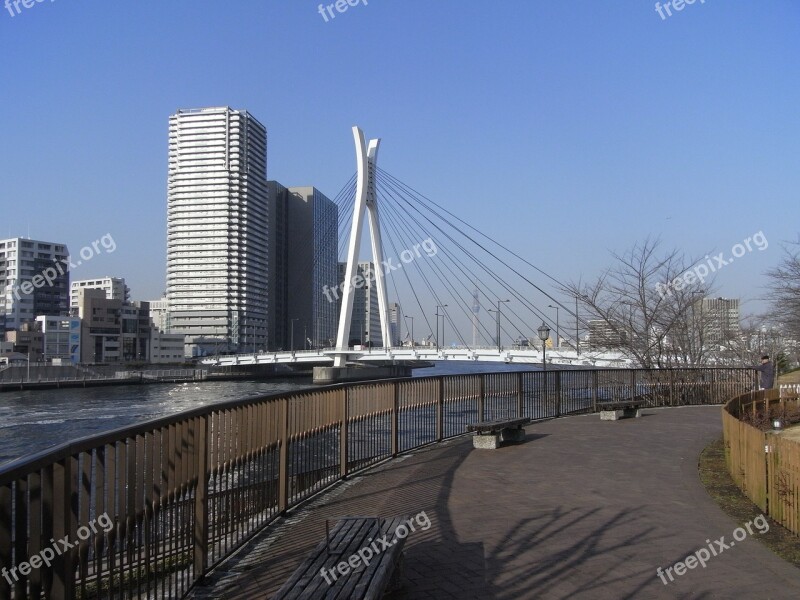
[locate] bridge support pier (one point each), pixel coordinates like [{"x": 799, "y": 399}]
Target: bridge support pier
[{"x": 329, "y": 375}]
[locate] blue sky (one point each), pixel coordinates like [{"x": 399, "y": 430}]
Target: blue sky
[{"x": 567, "y": 129}]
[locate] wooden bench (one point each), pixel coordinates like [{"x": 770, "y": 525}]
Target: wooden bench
[
  {"x": 490, "y": 434},
  {"x": 360, "y": 558},
  {"x": 623, "y": 409}
]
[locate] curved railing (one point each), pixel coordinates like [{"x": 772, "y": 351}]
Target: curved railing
[
  {"x": 762, "y": 461},
  {"x": 148, "y": 509}
]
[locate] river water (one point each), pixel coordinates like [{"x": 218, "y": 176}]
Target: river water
[{"x": 32, "y": 421}]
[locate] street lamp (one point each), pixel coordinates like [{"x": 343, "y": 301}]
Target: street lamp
[
  {"x": 544, "y": 335},
  {"x": 291, "y": 343},
  {"x": 558, "y": 330},
  {"x": 412, "y": 330},
  {"x": 438, "y": 306},
  {"x": 577, "y": 334},
  {"x": 499, "y": 346}
]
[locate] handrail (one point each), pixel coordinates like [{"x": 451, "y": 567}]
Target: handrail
[{"x": 182, "y": 492}]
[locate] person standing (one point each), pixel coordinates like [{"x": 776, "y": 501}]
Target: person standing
[{"x": 767, "y": 373}]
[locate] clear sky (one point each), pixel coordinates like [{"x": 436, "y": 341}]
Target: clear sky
[{"x": 566, "y": 128}]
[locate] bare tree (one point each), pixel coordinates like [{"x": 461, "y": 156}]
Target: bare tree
[
  {"x": 784, "y": 287},
  {"x": 651, "y": 302}
]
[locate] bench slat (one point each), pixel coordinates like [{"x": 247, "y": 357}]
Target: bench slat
[
  {"x": 385, "y": 569},
  {"x": 498, "y": 425},
  {"x": 311, "y": 565},
  {"x": 348, "y": 536},
  {"x": 620, "y": 404}
]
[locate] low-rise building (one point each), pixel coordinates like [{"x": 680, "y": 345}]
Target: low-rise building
[
  {"x": 604, "y": 335},
  {"x": 27, "y": 340},
  {"x": 159, "y": 313},
  {"x": 167, "y": 347},
  {"x": 114, "y": 288},
  {"x": 61, "y": 338},
  {"x": 101, "y": 327}
]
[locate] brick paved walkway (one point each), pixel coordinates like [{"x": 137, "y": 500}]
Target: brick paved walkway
[{"x": 582, "y": 509}]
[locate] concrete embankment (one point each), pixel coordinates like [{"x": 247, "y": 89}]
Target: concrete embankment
[{"x": 37, "y": 377}]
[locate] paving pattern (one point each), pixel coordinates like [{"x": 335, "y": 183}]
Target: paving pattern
[{"x": 581, "y": 509}]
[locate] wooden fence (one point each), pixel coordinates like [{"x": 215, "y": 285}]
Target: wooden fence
[{"x": 763, "y": 463}]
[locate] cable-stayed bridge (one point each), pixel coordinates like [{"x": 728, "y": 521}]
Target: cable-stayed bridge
[
  {"x": 406, "y": 354},
  {"x": 445, "y": 274}
]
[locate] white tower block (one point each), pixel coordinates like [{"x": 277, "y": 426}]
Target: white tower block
[{"x": 366, "y": 198}]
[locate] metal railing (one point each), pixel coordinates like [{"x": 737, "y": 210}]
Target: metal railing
[{"x": 148, "y": 509}]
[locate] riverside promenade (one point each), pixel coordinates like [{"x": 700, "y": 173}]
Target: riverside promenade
[{"x": 581, "y": 509}]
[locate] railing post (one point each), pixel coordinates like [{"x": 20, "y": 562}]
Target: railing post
[
  {"x": 672, "y": 387},
  {"x": 395, "y": 419},
  {"x": 714, "y": 393},
  {"x": 343, "y": 435},
  {"x": 5, "y": 537},
  {"x": 63, "y": 524},
  {"x": 440, "y": 411},
  {"x": 595, "y": 383},
  {"x": 633, "y": 385},
  {"x": 520, "y": 395},
  {"x": 283, "y": 476},
  {"x": 558, "y": 393},
  {"x": 201, "y": 498},
  {"x": 481, "y": 395}
]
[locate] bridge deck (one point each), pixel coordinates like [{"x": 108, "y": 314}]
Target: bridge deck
[{"x": 581, "y": 510}]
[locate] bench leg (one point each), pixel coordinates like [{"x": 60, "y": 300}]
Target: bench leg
[
  {"x": 486, "y": 441},
  {"x": 516, "y": 434},
  {"x": 613, "y": 415},
  {"x": 610, "y": 415},
  {"x": 396, "y": 582}
]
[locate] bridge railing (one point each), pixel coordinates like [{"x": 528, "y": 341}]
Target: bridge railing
[{"x": 146, "y": 510}]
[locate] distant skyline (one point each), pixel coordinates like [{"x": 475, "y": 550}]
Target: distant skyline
[{"x": 565, "y": 129}]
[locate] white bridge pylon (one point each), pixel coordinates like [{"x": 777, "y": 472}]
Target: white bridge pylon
[{"x": 366, "y": 201}]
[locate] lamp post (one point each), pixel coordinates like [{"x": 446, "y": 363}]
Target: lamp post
[
  {"x": 291, "y": 342},
  {"x": 412, "y": 330},
  {"x": 544, "y": 334},
  {"x": 558, "y": 329},
  {"x": 577, "y": 335},
  {"x": 499, "y": 346},
  {"x": 437, "y": 315},
  {"x": 442, "y": 306}
]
